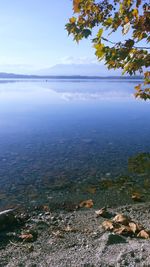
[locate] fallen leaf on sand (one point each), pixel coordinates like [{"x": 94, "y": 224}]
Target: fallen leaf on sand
[
  {"x": 107, "y": 225},
  {"x": 101, "y": 212},
  {"x": 123, "y": 230},
  {"x": 119, "y": 218},
  {"x": 143, "y": 234},
  {"x": 46, "y": 208},
  {"x": 136, "y": 196},
  {"x": 135, "y": 227},
  {"x": 87, "y": 203},
  {"x": 26, "y": 237}
]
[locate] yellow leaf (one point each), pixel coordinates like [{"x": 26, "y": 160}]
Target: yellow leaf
[
  {"x": 100, "y": 32},
  {"x": 135, "y": 13},
  {"x": 127, "y": 2},
  {"x": 138, "y": 87},
  {"x": 109, "y": 21},
  {"x": 99, "y": 50},
  {"x": 72, "y": 20},
  {"x": 121, "y": 9}
]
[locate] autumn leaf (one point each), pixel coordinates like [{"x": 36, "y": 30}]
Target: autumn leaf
[
  {"x": 99, "y": 50},
  {"x": 86, "y": 203},
  {"x": 99, "y": 34},
  {"x": 147, "y": 74},
  {"x": 46, "y": 208},
  {"x": 135, "y": 227},
  {"x": 123, "y": 230},
  {"x": 76, "y": 5},
  {"x": 135, "y": 13},
  {"x": 101, "y": 212},
  {"x": 102, "y": 18},
  {"x": 72, "y": 20},
  {"x": 119, "y": 218},
  {"x": 136, "y": 196},
  {"x": 26, "y": 237},
  {"x": 143, "y": 234},
  {"x": 126, "y": 20},
  {"x": 109, "y": 21},
  {"x": 108, "y": 225}
]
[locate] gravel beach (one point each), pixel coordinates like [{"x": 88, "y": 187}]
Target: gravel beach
[{"x": 75, "y": 238}]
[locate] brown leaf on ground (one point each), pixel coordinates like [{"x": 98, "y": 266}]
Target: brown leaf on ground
[
  {"x": 86, "y": 204},
  {"x": 136, "y": 196},
  {"x": 46, "y": 208},
  {"x": 102, "y": 212},
  {"x": 123, "y": 230},
  {"x": 26, "y": 237},
  {"x": 143, "y": 234},
  {"x": 135, "y": 227},
  {"x": 120, "y": 218},
  {"x": 108, "y": 225}
]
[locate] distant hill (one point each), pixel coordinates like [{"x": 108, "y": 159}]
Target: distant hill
[{"x": 91, "y": 69}]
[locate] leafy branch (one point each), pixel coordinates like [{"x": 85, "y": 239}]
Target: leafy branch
[{"x": 115, "y": 15}]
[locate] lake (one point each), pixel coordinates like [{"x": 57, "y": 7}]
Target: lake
[{"x": 67, "y": 140}]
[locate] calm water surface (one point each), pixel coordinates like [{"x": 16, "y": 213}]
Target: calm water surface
[{"x": 62, "y": 141}]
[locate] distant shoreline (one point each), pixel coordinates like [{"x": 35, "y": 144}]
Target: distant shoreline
[{"x": 4, "y": 75}]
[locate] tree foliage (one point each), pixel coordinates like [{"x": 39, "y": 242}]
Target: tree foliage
[{"x": 130, "y": 18}]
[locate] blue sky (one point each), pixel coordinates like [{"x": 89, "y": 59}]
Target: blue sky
[{"x": 33, "y": 35}]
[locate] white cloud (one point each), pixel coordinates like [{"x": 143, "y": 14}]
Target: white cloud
[{"x": 78, "y": 60}]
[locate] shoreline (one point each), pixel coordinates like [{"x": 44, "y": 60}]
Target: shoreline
[{"x": 74, "y": 238}]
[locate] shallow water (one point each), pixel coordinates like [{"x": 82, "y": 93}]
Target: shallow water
[{"x": 60, "y": 138}]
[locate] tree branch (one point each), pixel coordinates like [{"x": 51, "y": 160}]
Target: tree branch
[{"x": 137, "y": 47}]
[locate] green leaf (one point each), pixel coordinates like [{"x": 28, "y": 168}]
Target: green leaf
[{"x": 86, "y": 33}]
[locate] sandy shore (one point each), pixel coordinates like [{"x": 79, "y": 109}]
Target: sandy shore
[{"x": 75, "y": 239}]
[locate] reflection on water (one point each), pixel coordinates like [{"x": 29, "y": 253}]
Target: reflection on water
[{"x": 65, "y": 140}]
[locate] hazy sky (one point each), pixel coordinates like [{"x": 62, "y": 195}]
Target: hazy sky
[{"x": 33, "y": 35}]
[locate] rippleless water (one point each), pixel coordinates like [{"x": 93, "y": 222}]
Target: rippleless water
[{"x": 59, "y": 139}]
